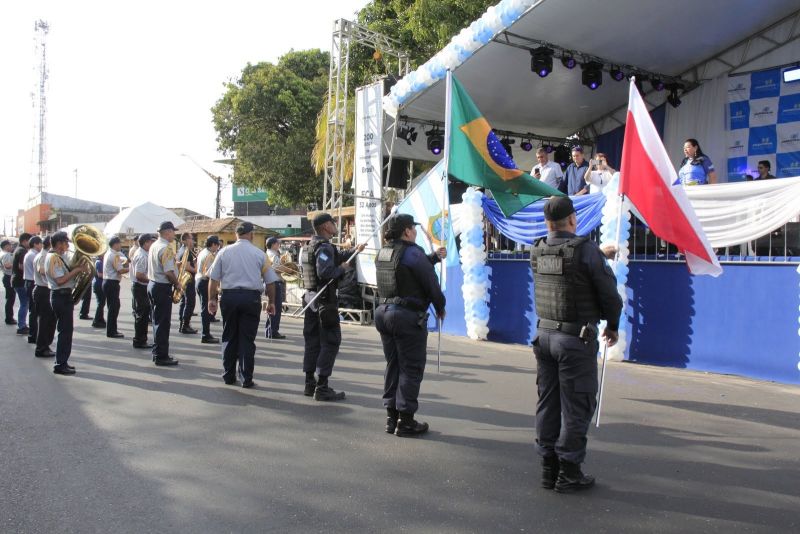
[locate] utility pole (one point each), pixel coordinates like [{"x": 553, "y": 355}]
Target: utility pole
[{"x": 217, "y": 180}]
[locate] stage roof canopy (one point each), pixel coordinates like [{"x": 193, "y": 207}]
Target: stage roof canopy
[{"x": 663, "y": 37}]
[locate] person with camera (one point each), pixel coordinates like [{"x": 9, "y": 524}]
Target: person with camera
[
  {"x": 407, "y": 285},
  {"x": 599, "y": 173},
  {"x": 574, "y": 288},
  {"x": 321, "y": 263}
]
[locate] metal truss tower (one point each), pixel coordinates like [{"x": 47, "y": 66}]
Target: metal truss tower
[
  {"x": 345, "y": 35},
  {"x": 39, "y": 155}
]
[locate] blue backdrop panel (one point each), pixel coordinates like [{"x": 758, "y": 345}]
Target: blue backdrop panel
[
  {"x": 454, "y": 319},
  {"x": 744, "y": 322},
  {"x": 512, "y": 318}
]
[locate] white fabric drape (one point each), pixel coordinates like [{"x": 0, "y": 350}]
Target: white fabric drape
[
  {"x": 735, "y": 213},
  {"x": 702, "y": 116}
]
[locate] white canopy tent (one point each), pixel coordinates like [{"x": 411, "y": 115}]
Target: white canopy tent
[
  {"x": 669, "y": 38},
  {"x": 139, "y": 219}
]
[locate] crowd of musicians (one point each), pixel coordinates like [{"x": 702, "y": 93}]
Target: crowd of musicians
[{"x": 574, "y": 290}]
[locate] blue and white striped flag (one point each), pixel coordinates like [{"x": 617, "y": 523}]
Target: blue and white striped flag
[{"x": 426, "y": 203}]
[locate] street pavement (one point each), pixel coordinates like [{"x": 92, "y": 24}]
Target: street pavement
[{"x": 124, "y": 446}]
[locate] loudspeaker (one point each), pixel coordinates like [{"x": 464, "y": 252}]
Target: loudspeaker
[{"x": 398, "y": 173}]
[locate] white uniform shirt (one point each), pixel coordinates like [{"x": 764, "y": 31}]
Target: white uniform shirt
[
  {"x": 139, "y": 265},
  {"x": 551, "y": 173},
  {"x": 160, "y": 259},
  {"x": 6, "y": 258},
  {"x": 275, "y": 258},
  {"x": 55, "y": 266},
  {"x": 112, "y": 264},
  {"x": 38, "y": 268},
  {"x": 27, "y": 264},
  {"x": 204, "y": 261},
  {"x": 243, "y": 266}
]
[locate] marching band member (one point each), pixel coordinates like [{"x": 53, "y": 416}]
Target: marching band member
[
  {"x": 140, "y": 301},
  {"x": 186, "y": 308},
  {"x": 114, "y": 266},
  {"x": 204, "y": 261},
  {"x": 163, "y": 278}
]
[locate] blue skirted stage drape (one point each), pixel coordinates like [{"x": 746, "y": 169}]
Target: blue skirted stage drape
[{"x": 527, "y": 225}]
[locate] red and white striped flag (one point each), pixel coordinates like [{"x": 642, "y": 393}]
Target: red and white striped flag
[{"x": 649, "y": 180}]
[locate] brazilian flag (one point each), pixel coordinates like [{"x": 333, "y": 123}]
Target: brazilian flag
[{"x": 478, "y": 158}]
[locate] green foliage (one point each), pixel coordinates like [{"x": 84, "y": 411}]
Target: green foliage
[{"x": 266, "y": 120}]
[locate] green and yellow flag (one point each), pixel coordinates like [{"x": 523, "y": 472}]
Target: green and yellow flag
[{"x": 478, "y": 158}]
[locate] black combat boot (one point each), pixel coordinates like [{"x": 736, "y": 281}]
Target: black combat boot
[
  {"x": 311, "y": 385},
  {"x": 391, "y": 420},
  {"x": 571, "y": 479},
  {"x": 408, "y": 427},
  {"x": 186, "y": 329},
  {"x": 549, "y": 471}
]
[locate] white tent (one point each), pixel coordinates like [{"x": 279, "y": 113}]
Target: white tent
[
  {"x": 140, "y": 219},
  {"x": 71, "y": 227}
]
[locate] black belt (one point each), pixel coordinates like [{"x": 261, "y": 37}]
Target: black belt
[
  {"x": 403, "y": 302},
  {"x": 240, "y": 290},
  {"x": 61, "y": 291},
  {"x": 561, "y": 326}
]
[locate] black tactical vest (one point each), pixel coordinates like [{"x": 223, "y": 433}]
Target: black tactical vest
[
  {"x": 394, "y": 278},
  {"x": 308, "y": 265},
  {"x": 562, "y": 292}
]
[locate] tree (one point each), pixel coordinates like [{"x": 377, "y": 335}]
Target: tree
[{"x": 266, "y": 120}]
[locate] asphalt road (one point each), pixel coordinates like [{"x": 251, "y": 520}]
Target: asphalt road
[{"x": 125, "y": 446}]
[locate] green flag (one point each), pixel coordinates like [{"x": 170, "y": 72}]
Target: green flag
[{"x": 478, "y": 158}]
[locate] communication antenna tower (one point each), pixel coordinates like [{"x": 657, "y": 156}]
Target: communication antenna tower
[{"x": 39, "y": 157}]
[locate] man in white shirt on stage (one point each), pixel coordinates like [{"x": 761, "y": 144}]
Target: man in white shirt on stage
[{"x": 547, "y": 171}]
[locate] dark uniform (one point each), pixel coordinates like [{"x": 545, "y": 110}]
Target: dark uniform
[
  {"x": 113, "y": 268},
  {"x": 46, "y": 320},
  {"x": 186, "y": 306},
  {"x": 100, "y": 297},
  {"x": 55, "y": 267},
  {"x": 573, "y": 290},
  {"x": 139, "y": 300},
  {"x": 320, "y": 264},
  {"x": 6, "y": 258},
  {"x": 244, "y": 271},
  {"x": 407, "y": 285}
]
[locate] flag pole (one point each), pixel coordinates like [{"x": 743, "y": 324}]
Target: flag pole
[{"x": 605, "y": 344}]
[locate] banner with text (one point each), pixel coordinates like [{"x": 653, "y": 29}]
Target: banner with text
[
  {"x": 763, "y": 124},
  {"x": 367, "y": 180}
]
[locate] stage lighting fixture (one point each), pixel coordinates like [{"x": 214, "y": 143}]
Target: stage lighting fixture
[
  {"x": 407, "y": 134},
  {"x": 563, "y": 155},
  {"x": 526, "y": 145},
  {"x": 568, "y": 60},
  {"x": 506, "y": 142},
  {"x": 592, "y": 75},
  {"x": 542, "y": 61},
  {"x": 657, "y": 84},
  {"x": 435, "y": 141},
  {"x": 672, "y": 97},
  {"x": 617, "y": 74},
  {"x": 548, "y": 148}
]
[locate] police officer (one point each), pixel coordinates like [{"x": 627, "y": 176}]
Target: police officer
[
  {"x": 321, "y": 263},
  {"x": 186, "y": 308},
  {"x": 114, "y": 266},
  {"x": 244, "y": 272},
  {"x": 46, "y": 320},
  {"x": 61, "y": 281},
  {"x": 204, "y": 261},
  {"x": 34, "y": 248},
  {"x": 163, "y": 278},
  {"x": 139, "y": 301},
  {"x": 407, "y": 285},
  {"x": 6, "y": 262},
  {"x": 573, "y": 290}
]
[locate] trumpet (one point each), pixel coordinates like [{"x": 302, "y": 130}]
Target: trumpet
[{"x": 88, "y": 242}]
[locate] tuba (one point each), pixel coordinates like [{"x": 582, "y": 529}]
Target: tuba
[{"x": 88, "y": 242}]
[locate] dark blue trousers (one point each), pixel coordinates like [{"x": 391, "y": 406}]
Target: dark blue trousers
[
  {"x": 321, "y": 344},
  {"x": 141, "y": 312},
  {"x": 404, "y": 347},
  {"x": 46, "y": 319},
  {"x": 86, "y": 303},
  {"x": 99, "y": 317},
  {"x": 33, "y": 322},
  {"x": 161, "y": 304},
  {"x": 186, "y": 308},
  {"x": 241, "y": 309},
  {"x": 566, "y": 378},
  {"x": 111, "y": 292},
  {"x": 61, "y": 302},
  {"x": 205, "y": 317},
  {"x": 274, "y": 324},
  {"x": 11, "y": 297}
]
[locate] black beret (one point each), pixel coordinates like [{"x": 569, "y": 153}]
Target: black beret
[
  {"x": 166, "y": 225},
  {"x": 321, "y": 219},
  {"x": 558, "y": 208},
  {"x": 114, "y": 241},
  {"x": 399, "y": 222},
  {"x": 145, "y": 238},
  {"x": 244, "y": 228},
  {"x": 212, "y": 240}
]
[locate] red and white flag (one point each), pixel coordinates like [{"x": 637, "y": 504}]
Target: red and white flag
[{"x": 649, "y": 180}]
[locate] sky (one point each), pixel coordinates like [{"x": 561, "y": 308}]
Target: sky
[{"x": 130, "y": 90}]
